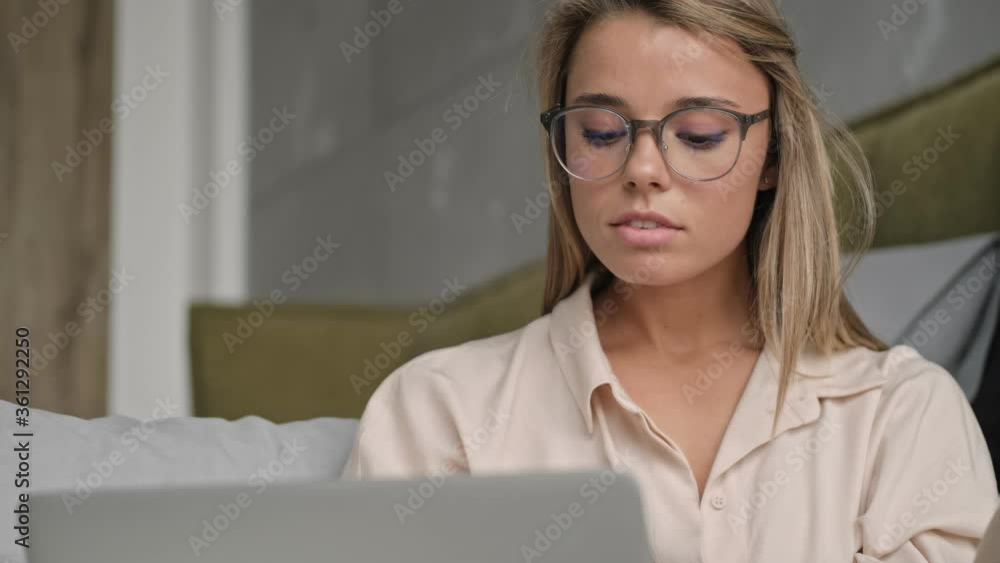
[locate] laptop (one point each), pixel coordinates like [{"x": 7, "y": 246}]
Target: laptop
[
  {"x": 989, "y": 548},
  {"x": 550, "y": 518}
]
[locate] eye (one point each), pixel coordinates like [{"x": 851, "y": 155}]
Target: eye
[
  {"x": 603, "y": 137},
  {"x": 701, "y": 141}
]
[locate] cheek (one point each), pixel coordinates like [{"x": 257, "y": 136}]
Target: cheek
[
  {"x": 724, "y": 210},
  {"x": 587, "y": 200},
  {"x": 730, "y": 199},
  {"x": 742, "y": 181}
]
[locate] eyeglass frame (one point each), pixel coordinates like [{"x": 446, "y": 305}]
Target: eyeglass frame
[{"x": 745, "y": 120}]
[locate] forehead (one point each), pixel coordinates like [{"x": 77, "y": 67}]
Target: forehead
[{"x": 651, "y": 64}]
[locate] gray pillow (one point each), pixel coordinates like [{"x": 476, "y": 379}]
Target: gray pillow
[
  {"x": 78, "y": 456},
  {"x": 941, "y": 298}
]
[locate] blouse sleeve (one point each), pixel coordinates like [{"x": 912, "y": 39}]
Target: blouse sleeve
[
  {"x": 931, "y": 490},
  {"x": 409, "y": 428}
]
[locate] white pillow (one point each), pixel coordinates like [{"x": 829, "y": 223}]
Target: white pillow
[{"x": 78, "y": 456}]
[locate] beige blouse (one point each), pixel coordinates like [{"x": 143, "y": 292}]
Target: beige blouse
[{"x": 881, "y": 460}]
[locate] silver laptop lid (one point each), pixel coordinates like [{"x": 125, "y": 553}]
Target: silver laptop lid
[
  {"x": 989, "y": 549},
  {"x": 575, "y": 517}
]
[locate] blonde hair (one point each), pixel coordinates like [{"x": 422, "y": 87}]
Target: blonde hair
[{"x": 793, "y": 239}]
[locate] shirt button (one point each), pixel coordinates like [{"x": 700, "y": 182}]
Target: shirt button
[{"x": 718, "y": 502}]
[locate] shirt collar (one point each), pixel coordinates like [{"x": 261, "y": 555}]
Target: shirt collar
[
  {"x": 577, "y": 348},
  {"x": 578, "y": 352}
]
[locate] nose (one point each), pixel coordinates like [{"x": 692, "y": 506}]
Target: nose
[{"x": 645, "y": 167}]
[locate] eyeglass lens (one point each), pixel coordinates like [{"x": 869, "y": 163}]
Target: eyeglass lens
[{"x": 699, "y": 143}]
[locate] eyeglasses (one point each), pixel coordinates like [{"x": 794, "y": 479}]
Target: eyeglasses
[{"x": 701, "y": 143}]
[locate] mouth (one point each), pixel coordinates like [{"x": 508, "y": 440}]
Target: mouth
[
  {"x": 645, "y": 225},
  {"x": 645, "y": 229},
  {"x": 644, "y": 220}
]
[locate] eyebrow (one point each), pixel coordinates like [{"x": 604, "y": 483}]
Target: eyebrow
[
  {"x": 600, "y": 99},
  {"x": 704, "y": 101},
  {"x": 611, "y": 100}
]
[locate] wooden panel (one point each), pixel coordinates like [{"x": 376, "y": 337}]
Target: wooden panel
[{"x": 55, "y": 91}]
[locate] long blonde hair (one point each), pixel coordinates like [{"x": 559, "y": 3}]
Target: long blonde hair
[{"x": 793, "y": 238}]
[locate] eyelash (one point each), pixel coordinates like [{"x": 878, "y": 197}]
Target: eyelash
[
  {"x": 602, "y": 138},
  {"x": 606, "y": 138},
  {"x": 711, "y": 141}
]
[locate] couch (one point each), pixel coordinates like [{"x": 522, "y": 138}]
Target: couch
[{"x": 77, "y": 457}]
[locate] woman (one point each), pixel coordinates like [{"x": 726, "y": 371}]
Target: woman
[{"x": 695, "y": 329}]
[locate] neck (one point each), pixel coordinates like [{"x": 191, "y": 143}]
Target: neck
[{"x": 682, "y": 320}]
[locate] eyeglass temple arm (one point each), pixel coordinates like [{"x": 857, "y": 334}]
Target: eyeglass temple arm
[
  {"x": 747, "y": 120},
  {"x": 751, "y": 119},
  {"x": 547, "y": 116}
]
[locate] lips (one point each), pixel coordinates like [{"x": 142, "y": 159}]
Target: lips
[
  {"x": 645, "y": 229},
  {"x": 644, "y": 220}
]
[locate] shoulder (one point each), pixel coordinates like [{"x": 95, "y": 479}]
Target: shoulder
[
  {"x": 924, "y": 450},
  {"x": 908, "y": 391},
  {"x": 911, "y": 377},
  {"x": 889, "y": 387},
  {"x": 898, "y": 370}
]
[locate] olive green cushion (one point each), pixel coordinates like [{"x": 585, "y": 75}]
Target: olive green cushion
[
  {"x": 301, "y": 362},
  {"x": 309, "y": 361},
  {"x": 935, "y": 159},
  {"x": 506, "y": 303}
]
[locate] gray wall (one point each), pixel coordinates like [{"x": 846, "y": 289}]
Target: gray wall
[
  {"x": 324, "y": 174},
  {"x": 861, "y": 66}
]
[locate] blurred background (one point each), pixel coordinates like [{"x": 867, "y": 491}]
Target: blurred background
[{"x": 273, "y": 167}]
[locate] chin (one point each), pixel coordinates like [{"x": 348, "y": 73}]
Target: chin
[{"x": 652, "y": 268}]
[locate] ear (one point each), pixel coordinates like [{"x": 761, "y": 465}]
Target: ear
[{"x": 768, "y": 178}]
